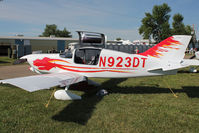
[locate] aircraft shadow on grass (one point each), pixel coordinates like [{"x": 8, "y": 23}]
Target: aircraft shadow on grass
[{"x": 80, "y": 111}]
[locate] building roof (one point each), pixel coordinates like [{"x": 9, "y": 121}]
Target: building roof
[
  {"x": 38, "y": 38},
  {"x": 44, "y": 38}
]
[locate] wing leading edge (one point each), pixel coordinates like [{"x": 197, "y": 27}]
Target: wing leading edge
[{"x": 44, "y": 81}]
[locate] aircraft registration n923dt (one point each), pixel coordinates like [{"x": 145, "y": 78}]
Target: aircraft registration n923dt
[{"x": 75, "y": 66}]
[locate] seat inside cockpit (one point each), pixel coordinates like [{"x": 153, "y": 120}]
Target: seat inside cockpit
[{"x": 67, "y": 54}]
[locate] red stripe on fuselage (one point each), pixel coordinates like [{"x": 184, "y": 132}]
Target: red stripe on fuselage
[{"x": 47, "y": 64}]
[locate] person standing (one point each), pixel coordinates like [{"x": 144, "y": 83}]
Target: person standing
[{"x": 136, "y": 50}]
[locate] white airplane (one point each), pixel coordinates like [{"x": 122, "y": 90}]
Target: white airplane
[{"x": 73, "y": 67}]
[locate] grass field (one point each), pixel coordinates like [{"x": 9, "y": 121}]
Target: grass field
[
  {"x": 133, "y": 105},
  {"x": 4, "y": 60}
]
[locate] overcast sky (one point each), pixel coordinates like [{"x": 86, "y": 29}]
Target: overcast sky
[{"x": 115, "y": 18}]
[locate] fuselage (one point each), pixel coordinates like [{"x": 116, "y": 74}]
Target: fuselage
[{"x": 96, "y": 62}]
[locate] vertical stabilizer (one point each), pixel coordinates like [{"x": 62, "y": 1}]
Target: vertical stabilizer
[{"x": 172, "y": 48}]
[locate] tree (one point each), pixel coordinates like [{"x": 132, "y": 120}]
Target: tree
[
  {"x": 178, "y": 26},
  {"x": 118, "y": 38},
  {"x": 63, "y": 33},
  {"x": 147, "y": 26},
  {"x": 180, "y": 29},
  {"x": 157, "y": 23},
  {"x": 49, "y": 30},
  {"x": 52, "y": 30},
  {"x": 188, "y": 30}
]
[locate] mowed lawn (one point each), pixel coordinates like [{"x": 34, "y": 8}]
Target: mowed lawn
[
  {"x": 4, "y": 60},
  {"x": 133, "y": 105}
]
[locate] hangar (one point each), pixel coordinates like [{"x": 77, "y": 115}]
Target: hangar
[{"x": 17, "y": 46}]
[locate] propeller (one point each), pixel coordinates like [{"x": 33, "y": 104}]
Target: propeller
[{"x": 19, "y": 61}]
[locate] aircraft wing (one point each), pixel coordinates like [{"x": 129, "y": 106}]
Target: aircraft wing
[{"x": 45, "y": 81}]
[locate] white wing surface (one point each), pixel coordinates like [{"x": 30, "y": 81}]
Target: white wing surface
[{"x": 44, "y": 81}]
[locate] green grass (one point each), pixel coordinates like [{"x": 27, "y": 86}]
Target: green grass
[
  {"x": 4, "y": 60},
  {"x": 133, "y": 105}
]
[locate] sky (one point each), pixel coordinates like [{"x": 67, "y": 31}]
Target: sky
[{"x": 114, "y": 18}]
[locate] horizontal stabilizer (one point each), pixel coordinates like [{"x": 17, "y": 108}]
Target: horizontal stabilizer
[
  {"x": 170, "y": 65},
  {"x": 190, "y": 62}
]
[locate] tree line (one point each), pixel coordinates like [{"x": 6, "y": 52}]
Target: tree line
[
  {"x": 156, "y": 24},
  {"x": 51, "y": 29}
]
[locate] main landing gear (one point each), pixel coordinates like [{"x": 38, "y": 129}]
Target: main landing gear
[{"x": 66, "y": 95}]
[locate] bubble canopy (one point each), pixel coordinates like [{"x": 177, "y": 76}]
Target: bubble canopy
[{"x": 91, "y": 39}]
